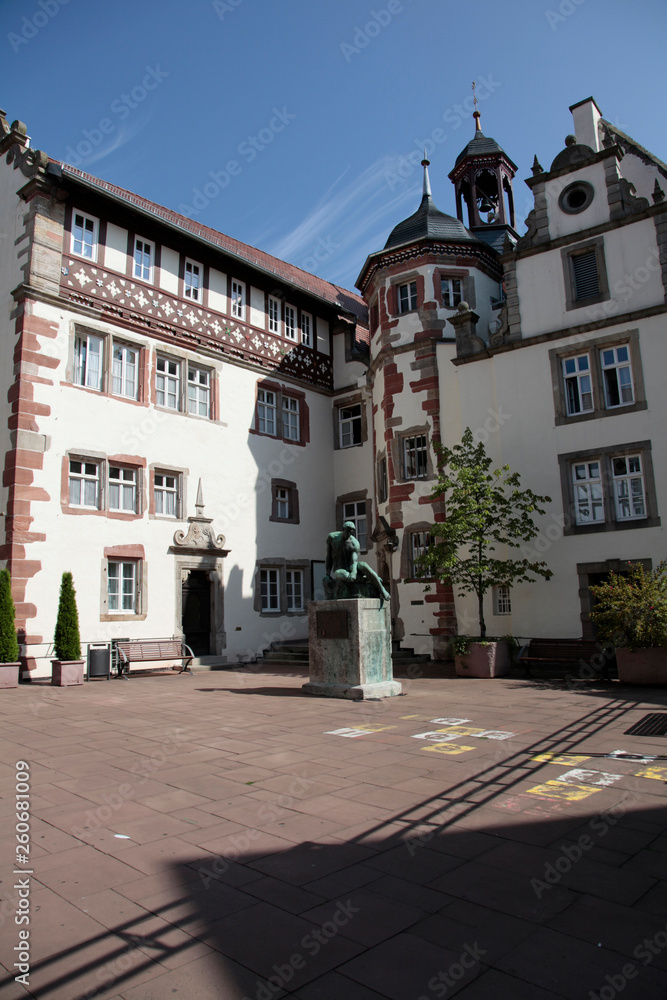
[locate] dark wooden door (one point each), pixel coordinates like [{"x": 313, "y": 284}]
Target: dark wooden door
[{"x": 196, "y": 622}]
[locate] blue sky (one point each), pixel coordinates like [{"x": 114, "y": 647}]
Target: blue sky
[{"x": 296, "y": 126}]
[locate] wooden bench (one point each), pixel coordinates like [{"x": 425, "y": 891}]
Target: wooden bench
[
  {"x": 586, "y": 654},
  {"x": 152, "y": 650}
]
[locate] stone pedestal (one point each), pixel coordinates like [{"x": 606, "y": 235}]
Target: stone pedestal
[{"x": 350, "y": 649}]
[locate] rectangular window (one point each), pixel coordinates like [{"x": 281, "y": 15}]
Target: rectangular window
[
  {"x": 274, "y": 315},
  {"x": 84, "y": 236},
  {"x": 165, "y": 490},
  {"x": 585, "y": 274},
  {"x": 122, "y": 586},
  {"x": 122, "y": 489},
  {"x": 629, "y": 494},
  {"x": 502, "y": 601},
  {"x": 407, "y": 297},
  {"x": 294, "y": 589},
  {"x": 617, "y": 376},
  {"x": 588, "y": 496},
  {"x": 125, "y": 371},
  {"x": 349, "y": 425},
  {"x": 266, "y": 412},
  {"x": 419, "y": 543},
  {"x": 356, "y": 512},
  {"x": 282, "y": 503},
  {"x": 269, "y": 588},
  {"x": 451, "y": 292},
  {"x": 192, "y": 284},
  {"x": 88, "y": 357},
  {"x": 306, "y": 329},
  {"x": 168, "y": 383},
  {"x": 415, "y": 457},
  {"x": 84, "y": 484},
  {"x": 578, "y": 386},
  {"x": 199, "y": 391},
  {"x": 290, "y": 418},
  {"x": 143, "y": 260},
  {"x": 238, "y": 299},
  {"x": 382, "y": 486},
  {"x": 290, "y": 322}
]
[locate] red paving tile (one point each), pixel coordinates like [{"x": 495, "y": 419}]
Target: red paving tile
[{"x": 250, "y": 827}]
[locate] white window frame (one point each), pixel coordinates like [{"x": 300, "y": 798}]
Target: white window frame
[
  {"x": 143, "y": 248},
  {"x": 588, "y": 492},
  {"x": 355, "y": 511},
  {"x": 269, "y": 582},
  {"x": 290, "y": 323},
  {"x": 126, "y": 485},
  {"x": 291, "y": 418},
  {"x": 238, "y": 299},
  {"x": 193, "y": 280},
  {"x": 347, "y": 424},
  {"x": 419, "y": 543},
  {"x": 125, "y": 594},
  {"x": 168, "y": 382},
  {"x": 617, "y": 369},
  {"x": 125, "y": 370},
  {"x": 199, "y": 391},
  {"x": 415, "y": 456},
  {"x": 89, "y": 224},
  {"x": 578, "y": 383},
  {"x": 84, "y": 477},
  {"x": 407, "y": 302},
  {"x": 452, "y": 291},
  {"x": 306, "y": 329},
  {"x": 166, "y": 491},
  {"x": 267, "y": 412},
  {"x": 83, "y": 374},
  {"x": 294, "y": 589},
  {"x": 282, "y": 501},
  {"x": 273, "y": 315},
  {"x": 502, "y": 600},
  {"x": 629, "y": 487}
]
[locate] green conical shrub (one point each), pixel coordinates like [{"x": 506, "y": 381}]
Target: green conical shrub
[
  {"x": 66, "y": 639},
  {"x": 9, "y": 647}
]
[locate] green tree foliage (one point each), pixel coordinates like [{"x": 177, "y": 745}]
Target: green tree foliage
[
  {"x": 66, "y": 639},
  {"x": 484, "y": 510},
  {"x": 631, "y": 609},
  {"x": 9, "y": 647}
]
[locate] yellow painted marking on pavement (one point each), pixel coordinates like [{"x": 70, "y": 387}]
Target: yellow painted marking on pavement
[
  {"x": 560, "y": 790},
  {"x": 659, "y": 773},
  {"x": 461, "y": 730},
  {"x": 449, "y": 748},
  {"x": 555, "y": 758}
]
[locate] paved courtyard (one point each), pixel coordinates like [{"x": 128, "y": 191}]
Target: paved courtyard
[{"x": 223, "y": 836}]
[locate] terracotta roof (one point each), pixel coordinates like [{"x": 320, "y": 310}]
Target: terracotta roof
[{"x": 346, "y": 301}]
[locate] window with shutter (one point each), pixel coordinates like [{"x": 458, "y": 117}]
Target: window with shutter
[{"x": 585, "y": 269}]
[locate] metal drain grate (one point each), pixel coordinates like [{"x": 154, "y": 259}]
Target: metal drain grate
[{"x": 654, "y": 724}]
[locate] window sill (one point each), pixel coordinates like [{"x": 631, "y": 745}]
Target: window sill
[
  {"x": 629, "y": 525},
  {"x": 120, "y": 617},
  {"x": 576, "y": 418}
]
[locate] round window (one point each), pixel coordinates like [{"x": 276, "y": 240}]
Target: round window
[{"x": 576, "y": 197}]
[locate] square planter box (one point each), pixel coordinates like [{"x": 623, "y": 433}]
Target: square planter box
[
  {"x": 9, "y": 675},
  {"x": 66, "y": 673},
  {"x": 643, "y": 666},
  {"x": 490, "y": 660}
]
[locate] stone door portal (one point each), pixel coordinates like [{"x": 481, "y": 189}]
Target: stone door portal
[{"x": 196, "y": 605}]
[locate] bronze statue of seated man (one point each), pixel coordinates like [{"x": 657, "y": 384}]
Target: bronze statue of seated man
[{"x": 346, "y": 577}]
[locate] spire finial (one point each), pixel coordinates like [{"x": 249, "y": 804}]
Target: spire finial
[
  {"x": 476, "y": 115},
  {"x": 199, "y": 502},
  {"x": 427, "y": 183}
]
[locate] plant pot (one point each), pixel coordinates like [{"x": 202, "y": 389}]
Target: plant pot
[
  {"x": 9, "y": 675},
  {"x": 642, "y": 666},
  {"x": 66, "y": 673},
  {"x": 489, "y": 660}
]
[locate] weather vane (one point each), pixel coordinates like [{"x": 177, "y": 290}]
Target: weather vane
[{"x": 474, "y": 95}]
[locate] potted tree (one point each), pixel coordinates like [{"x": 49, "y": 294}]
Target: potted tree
[
  {"x": 484, "y": 510},
  {"x": 631, "y": 613},
  {"x": 9, "y": 647},
  {"x": 67, "y": 668}
]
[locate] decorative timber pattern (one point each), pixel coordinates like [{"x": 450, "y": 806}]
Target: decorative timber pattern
[{"x": 152, "y": 309}]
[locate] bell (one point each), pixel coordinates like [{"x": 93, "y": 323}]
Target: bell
[{"x": 486, "y": 205}]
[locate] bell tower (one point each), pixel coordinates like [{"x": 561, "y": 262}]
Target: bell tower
[{"x": 482, "y": 178}]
